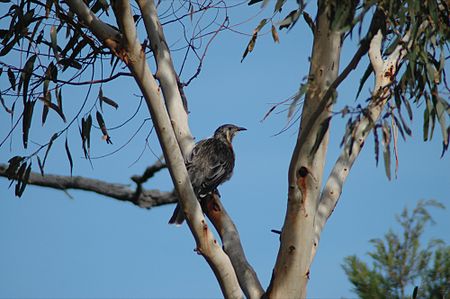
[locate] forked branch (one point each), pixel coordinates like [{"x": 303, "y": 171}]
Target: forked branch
[
  {"x": 248, "y": 280},
  {"x": 135, "y": 59},
  {"x": 384, "y": 74}
]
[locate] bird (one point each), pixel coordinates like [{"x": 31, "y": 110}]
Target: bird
[{"x": 210, "y": 164}]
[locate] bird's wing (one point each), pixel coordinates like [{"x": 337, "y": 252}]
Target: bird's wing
[
  {"x": 211, "y": 164},
  {"x": 219, "y": 166}
]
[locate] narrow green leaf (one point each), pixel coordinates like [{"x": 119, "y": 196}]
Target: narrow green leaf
[
  {"x": 51, "y": 73},
  {"x": 21, "y": 171},
  {"x": 109, "y": 102},
  {"x": 26, "y": 76},
  {"x": 66, "y": 62},
  {"x": 295, "y": 99},
  {"x": 49, "y": 146},
  {"x": 405, "y": 125},
  {"x": 6, "y": 49},
  {"x": 26, "y": 121},
  {"x": 386, "y": 149},
  {"x": 364, "y": 78},
  {"x": 69, "y": 156},
  {"x": 19, "y": 177},
  {"x": 45, "y": 88},
  {"x": 275, "y": 36},
  {"x": 397, "y": 125},
  {"x": 39, "y": 38},
  {"x": 70, "y": 46},
  {"x": 442, "y": 115},
  {"x": 32, "y": 36},
  {"x": 56, "y": 108},
  {"x": 321, "y": 134},
  {"x": 54, "y": 41},
  {"x": 58, "y": 93},
  {"x": 251, "y": 2},
  {"x": 290, "y": 20},
  {"x": 377, "y": 145},
  {"x": 12, "y": 79},
  {"x": 100, "y": 96},
  {"x": 44, "y": 114},
  {"x": 250, "y": 46},
  {"x": 408, "y": 107},
  {"x": 85, "y": 132},
  {"x": 24, "y": 180},
  {"x": 41, "y": 166},
  {"x": 279, "y": 5},
  {"x": 260, "y": 26},
  {"x": 426, "y": 123},
  {"x": 309, "y": 21},
  {"x": 102, "y": 125}
]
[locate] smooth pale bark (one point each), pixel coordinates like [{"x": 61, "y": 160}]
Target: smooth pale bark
[
  {"x": 168, "y": 79},
  {"x": 381, "y": 93},
  {"x": 291, "y": 272},
  {"x": 133, "y": 55},
  {"x": 167, "y": 76},
  {"x": 179, "y": 118}
]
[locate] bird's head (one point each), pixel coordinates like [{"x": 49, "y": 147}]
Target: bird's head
[{"x": 227, "y": 132}]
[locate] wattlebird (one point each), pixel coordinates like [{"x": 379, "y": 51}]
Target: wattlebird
[{"x": 210, "y": 164}]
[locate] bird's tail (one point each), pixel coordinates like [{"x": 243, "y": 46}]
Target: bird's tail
[{"x": 177, "y": 216}]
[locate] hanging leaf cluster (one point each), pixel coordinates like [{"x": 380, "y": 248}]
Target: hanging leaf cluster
[
  {"x": 421, "y": 78},
  {"x": 18, "y": 171},
  {"x": 50, "y": 42}
]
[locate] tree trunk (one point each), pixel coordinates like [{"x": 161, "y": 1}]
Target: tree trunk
[{"x": 291, "y": 272}]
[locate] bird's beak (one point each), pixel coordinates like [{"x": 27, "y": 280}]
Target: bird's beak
[{"x": 241, "y": 129}]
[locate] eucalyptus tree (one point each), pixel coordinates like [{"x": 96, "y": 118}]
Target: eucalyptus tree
[{"x": 50, "y": 46}]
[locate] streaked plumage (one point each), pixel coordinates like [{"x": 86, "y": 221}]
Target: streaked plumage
[{"x": 210, "y": 164}]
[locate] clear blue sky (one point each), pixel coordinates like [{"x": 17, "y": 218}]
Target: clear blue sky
[{"x": 52, "y": 246}]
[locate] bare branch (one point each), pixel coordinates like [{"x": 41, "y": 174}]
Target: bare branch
[
  {"x": 232, "y": 246},
  {"x": 122, "y": 10},
  {"x": 384, "y": 74},
  {"x": 362, "y": 50},
  {"x": 149, "y": 172},
  {"x": 375, "y": 52},
  {"x": 146, "y": 199},
  {"x": 167, "y": 76},
  {"x": 134, "y": 57}
]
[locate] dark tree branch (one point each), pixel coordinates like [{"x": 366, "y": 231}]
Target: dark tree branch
[
  {"x": 232, "y": 246},
  {"x": 149, "y": 172},
  {"x": 146, "y": 199}
]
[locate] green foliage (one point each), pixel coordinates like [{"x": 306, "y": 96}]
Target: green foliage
[
  {"x": 44, "y": 48},
  {"x": 420, "y": 76},
  {"x": 400, "y": 262}
]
